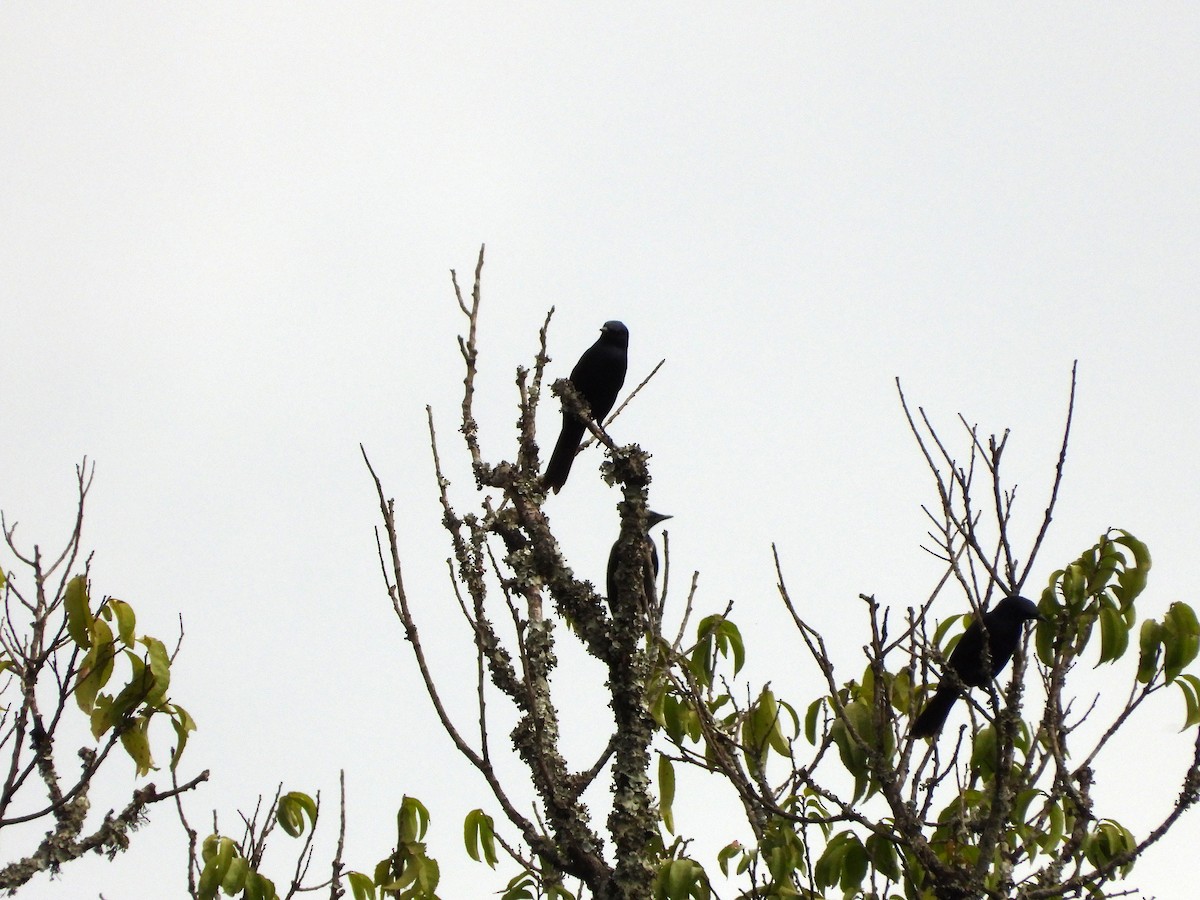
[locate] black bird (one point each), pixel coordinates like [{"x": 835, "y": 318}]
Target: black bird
[
  {"x": 650, "y": 575},
  {"x": 1003, "y": 624},
  {"x": 597, "y": 377}
]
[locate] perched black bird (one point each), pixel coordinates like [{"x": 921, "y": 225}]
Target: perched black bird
[
  {"x": 1003, "y": 624},
  {"x": 597, "y": 377},
  {"x": 650, "y": 575}
]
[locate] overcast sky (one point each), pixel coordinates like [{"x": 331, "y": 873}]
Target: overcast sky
[{"x": 225, "y": 236}]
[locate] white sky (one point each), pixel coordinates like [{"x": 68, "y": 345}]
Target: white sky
[{"x": 225, "y": 232}]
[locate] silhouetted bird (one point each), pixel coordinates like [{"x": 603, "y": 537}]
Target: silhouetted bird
[
  {"x": 597, "y": 377},
  {"x": 651, "y": 575},
  {"x": 1003, "y": 624}
]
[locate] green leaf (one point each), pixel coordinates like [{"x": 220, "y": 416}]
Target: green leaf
[
  {"x": 159, "y": 663},
  {"x": 259, "y": 887},
  {"x": 383, "y": 871},
  {"x": 183, "y": 724},
  {"x": 412, "y": 820},
  {"x": 852, "y": 756},
  {"x": 939, "y": 633},
  {"x": 1149, "y": 650},
  {"x": 858, "y": 715},
  {"x": 703, "y": 662},
  {"x": 883, "y": 856},
  {"x": 1190, "y": 686},
  {"x": 140, "y": 684},
  {"x": 828, "y": 870},
  {"x": 519, "y": 888},
  {"x": 716, "y": 636},
  {"x": 1046, "y": 632},
  {"x": 235, "y": 876},
  {"x": 901, "y": 693},
  {"x": 666, "y": 792},
  {"x": 681, "y": 879},
  {"x": 253, "y": 888},
  {"x": 782, "y": 851},
  {"x": 79, "y": 614},
  {"x": 1110, "y": 559},
  {"x": 1109, "y": 841},
  {"x": 672, "y": 721},
  {"x": 1022, "y": 801},
  {"x": 658, "y": 708},
  {"x": 1114, "y": 633},
  {"x": 97, "y": 666},
  {"x": 208, "y": 848},
  {"x": 289, "y": 817},
  {"x": 760, "y": 730},
  {"x": 1083, "y": 624},
  {"x": 728, "y": 852},
  {"x": 136, "y": 742},
  {"x": 215, "y": 868},
  {"x": 810, "y": 720},
  {"x": 361, "y": 886},
  {"x": 102, "y": 717},
  {"x": 729, "y": 641},
  {"x": 479, "y": 832},
  {"x": 854, "y": 866},
  {"x": 125, "y": 619},
  {"x": 1132, "y": 581},
  {"x": 428, "y": 876},
  {"x": 780, "y": 742},
  {"x": 291, "y": 811},
  {"x": 983, "y": 752},
  {"x": 1058, "y": 826},
  {"x": 210, "y": 881},
  {"x": 1181, "y": 637},
  {"x": 866, "y": 691},
  {"x": 1074, "y": 586},
  {"x": 406, "y": 877}
]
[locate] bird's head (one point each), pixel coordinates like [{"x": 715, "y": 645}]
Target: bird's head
[
  {"x": 614, "y": 332},
  {"x": 1023, "y": 608}
]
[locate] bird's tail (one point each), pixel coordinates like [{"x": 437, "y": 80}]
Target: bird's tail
[
  {"x": 559, "y": 466},
  {"x": 933, "y": 716}
]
